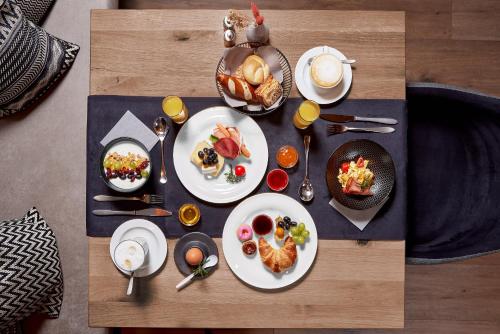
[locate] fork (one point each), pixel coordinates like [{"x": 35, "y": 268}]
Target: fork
[
  {"x": 146, "y": 198},
  {"x": 335, "y": 129}
]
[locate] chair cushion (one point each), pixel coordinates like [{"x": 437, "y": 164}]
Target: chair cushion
[
  {"x": 453, "y": 174},
  {"x": 35, "y": 10},
  {"x": 30, "y": 270},
  {"x": 31, "y": 60}
]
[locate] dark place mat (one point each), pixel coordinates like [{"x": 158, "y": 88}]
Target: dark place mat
[
  {"x": 453, "y": 173},
  {"x": 389, "y": 224}
]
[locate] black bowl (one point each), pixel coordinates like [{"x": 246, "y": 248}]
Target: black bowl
[
  {"x": 193, "y": 239},
  {"x": 381, "y": 165},
  {"x": 106, "y": 150},
  {"x": 286, "y": 84}
]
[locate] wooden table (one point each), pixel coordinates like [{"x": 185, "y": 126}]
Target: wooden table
[{"x": 161, "y": 52}]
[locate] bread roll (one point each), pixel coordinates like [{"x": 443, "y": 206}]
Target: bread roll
[
  {"x": 255, "y": 70},
  {"x": 237, "y": 87}
]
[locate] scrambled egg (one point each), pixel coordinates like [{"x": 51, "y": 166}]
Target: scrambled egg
[{"x": 362, "y": 175}]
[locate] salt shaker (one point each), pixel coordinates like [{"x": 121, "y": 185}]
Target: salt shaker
[
  {"x": 227, "y": 24},
  {"x": 229, "y": 38}
]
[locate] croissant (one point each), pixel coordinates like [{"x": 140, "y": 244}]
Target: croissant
[{"x": 278, "y": 260}]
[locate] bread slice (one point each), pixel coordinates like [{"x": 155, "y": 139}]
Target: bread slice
[{"x": 269, "y": 91}]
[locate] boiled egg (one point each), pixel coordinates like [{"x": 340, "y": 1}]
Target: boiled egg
[{"x": 194, "y": 256}]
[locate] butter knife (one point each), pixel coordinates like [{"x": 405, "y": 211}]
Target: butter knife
[
  {"x": 151, "y": 212},
  {"x": 349, "y": 118}
]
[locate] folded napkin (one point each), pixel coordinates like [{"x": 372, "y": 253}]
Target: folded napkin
[
  {"x": 359, "y": 218},
  {"x": 130, "y": 126}
]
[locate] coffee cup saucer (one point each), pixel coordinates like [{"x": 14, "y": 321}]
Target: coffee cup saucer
[
  {"x": 310, "y": 91},
  {"x": 155, "y": 238}
]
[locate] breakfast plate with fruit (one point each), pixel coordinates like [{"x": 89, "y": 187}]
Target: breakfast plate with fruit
[
  {"x": 220, "y": 156},
  {"x": 320, "y": 75},
  {"x": 270, "y": 241}
]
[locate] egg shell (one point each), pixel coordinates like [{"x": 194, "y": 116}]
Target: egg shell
[{"x": 194, "y": 256}]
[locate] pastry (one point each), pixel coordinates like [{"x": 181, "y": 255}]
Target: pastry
[
  {"x": 239, "y": 72},
  {"x": 237, "y": 87},
  {"x": 255, "y": 70},
  {"x": 249, "y": 247},
  {"x": 244, "y": 232},
  {"x": 214, "y": 167},
  {"x": 269, "y": 92},
  {"x": 278, "y": 260}
]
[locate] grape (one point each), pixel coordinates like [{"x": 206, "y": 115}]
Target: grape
[
  {"x": 305, "y": 234},
  {"x": 144, "y": 173},
  {"x": 294, "y": 231},
  {"x": 296, "y": 239},
  {"x": 108, "y": 163},
  {"x": 302, "y": 227},
  {"x": 300, "y": 240},
  {"x": 133, "y": 165},
  {"x": 117, "y": 165}
]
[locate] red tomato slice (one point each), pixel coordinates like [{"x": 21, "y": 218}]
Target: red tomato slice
[{"x": 345, "y": 167}]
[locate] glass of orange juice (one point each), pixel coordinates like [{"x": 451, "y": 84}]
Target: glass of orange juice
[
  {"x": 175, "y": 108},
  {"x": 307, "y": 113}
]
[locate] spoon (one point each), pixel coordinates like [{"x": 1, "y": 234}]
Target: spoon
[
  {"x": 161, "y": 129},
  {"x": 343, "y": 61},
  {"x": 306, "y": 191},
  {"x": 211, "y": 261},
  {"x": 130, "y": 284}
]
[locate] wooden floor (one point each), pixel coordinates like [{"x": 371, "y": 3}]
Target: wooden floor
[{"x": 448, "y": 41}]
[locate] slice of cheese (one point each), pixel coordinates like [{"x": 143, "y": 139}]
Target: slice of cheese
[{"x": 211, "y": 170}]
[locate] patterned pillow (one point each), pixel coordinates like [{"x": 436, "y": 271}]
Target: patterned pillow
[
  {"x": 31, "y": 60},
  {"x": 30, "y": 270},
  {"x": 35, "y": 10}
]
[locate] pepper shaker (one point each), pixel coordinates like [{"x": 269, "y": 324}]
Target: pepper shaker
[{"x": 229, "y": 38}]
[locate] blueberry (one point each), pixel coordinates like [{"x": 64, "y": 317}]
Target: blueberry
[
  {"x": 287, "y": 225},
  {"x": 287, "y": 219},
  {"x": 200, "y": 154},
  {"x": 211, "y": 151},
  {"x": 205, "y": 150},
  {"x": 216, "y": 161},
  {"x": 122, "y": 176},
  {"x": 205, "y": 161},
  {"x": 138, "y": 176},
  {"x": 129, "y": 176}
]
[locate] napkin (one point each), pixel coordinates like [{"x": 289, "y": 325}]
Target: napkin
[
  {"x": 130, "y": 126},
  {"x": 360, "y": 218}
]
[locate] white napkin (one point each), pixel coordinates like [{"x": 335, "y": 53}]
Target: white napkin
[
  {"x": 130, "y": 126},
  {"x": 360, "y": 218}
]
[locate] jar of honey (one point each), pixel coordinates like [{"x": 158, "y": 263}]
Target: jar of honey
[
  {"x": 189, "y": 214},
  {"x": 287, "y": 156}
]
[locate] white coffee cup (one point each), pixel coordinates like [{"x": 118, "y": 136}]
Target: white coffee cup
[
  {"x": 130, "y": 255},
  {"x": 326, "y": 71}
]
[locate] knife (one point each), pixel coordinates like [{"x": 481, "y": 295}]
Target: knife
[
  {"x": 348, "y": 118},
  {"x": 151, "y": 212}
]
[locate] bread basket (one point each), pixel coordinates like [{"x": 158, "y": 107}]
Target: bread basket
[{"x": 286, "y": 84}]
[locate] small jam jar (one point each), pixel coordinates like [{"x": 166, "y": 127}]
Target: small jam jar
[{"x": 189, "y": 214}]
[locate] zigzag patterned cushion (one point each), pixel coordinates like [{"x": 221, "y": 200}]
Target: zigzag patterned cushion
[
  {"x": 30, "y": 270},
  {"x": 35, "y": 10},
  {"x": 31, "y": 60}
]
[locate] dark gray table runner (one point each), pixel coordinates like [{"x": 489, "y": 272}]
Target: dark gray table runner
[{"x": 388, "y": 224}]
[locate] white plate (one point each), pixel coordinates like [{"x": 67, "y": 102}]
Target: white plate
[
  {"x": 321, "y": 95},
  {"x": 251, "y": 270},
  {"x": 156, "y": 242},
  {"x": 217, "y": 190}
]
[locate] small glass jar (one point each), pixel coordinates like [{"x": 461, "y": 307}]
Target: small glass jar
[{"x": 189, "y": 214}]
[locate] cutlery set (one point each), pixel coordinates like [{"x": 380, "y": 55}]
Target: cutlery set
[
  {"x": 335, "y": 129},
  {"x": 146, "y": 198}
]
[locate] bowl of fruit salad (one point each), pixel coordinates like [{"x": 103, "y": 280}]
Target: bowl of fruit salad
[{"x": 125, "y": 164}]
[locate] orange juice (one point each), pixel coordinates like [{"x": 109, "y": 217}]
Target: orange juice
[
  {"x": 307, "y": 113},
  {"x": 175, "y": 109}
]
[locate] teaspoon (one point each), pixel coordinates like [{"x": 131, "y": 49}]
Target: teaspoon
[
  {"x": 306, "y": 191},
  {"x": 211, "y": 261},
  {"x": 161, "y": 129}
]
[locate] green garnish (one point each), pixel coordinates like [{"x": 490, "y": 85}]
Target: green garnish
[
  {"x": 200, "y": 271},
  {"x": 231, "y": 177},
  {"x": 213, "y": 139}
]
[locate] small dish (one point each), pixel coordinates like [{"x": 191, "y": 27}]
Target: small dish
[
  {"x": 309, "y": 90},
  {"x": 157, "y": 244},
  {"x": 194, "y": 239},
  {"x": 123, "y": 146},
  {"x": 287, "y": 156},
  {"x": 277, "y": 179}
]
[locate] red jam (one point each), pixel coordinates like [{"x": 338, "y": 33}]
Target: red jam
[
  {"x": 262, "y": 224},
  {"x": 277, "y": 179}
]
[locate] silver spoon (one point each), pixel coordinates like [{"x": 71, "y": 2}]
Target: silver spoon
[
  {"x": 306, "y": 191},
  {"x": 343, "y": 61},
  {"x": 130, "y": 284},
  {"x": 161, "y": 129},
  {"x": 211, "y": 261}
]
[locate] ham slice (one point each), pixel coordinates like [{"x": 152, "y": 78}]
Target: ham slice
[
  {"x": 227, "y": 148},
  {"x": 354, "y": 188}
]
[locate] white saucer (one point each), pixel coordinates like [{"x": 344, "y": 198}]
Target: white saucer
[
  {"x": 156, "y": 241},
  {"x": 309, "y": 90}
]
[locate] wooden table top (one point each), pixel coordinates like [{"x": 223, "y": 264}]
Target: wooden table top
[{"x": 163, "y": 52}]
